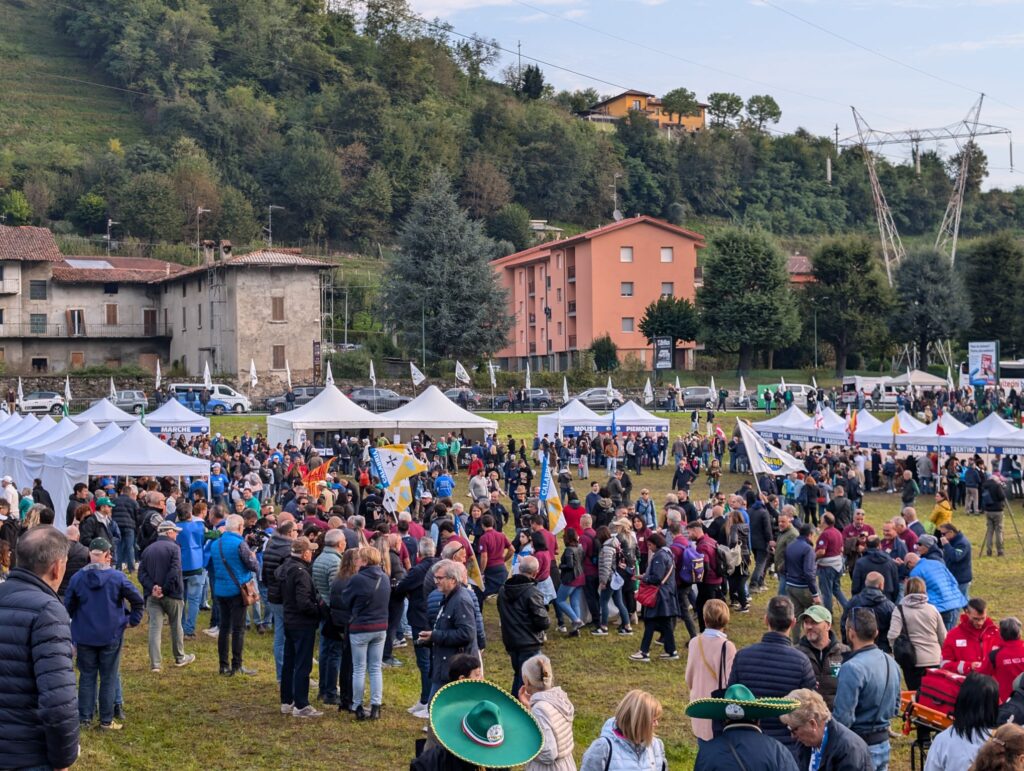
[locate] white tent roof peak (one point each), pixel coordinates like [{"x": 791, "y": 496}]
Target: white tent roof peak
[
  {"x": 919, "y": 379},
  {"x": 137, "y": 452},
  {"x": 433, "y": 410},
  {"x": 17, "y": 440},
  {"x": 103, "y": 412},
  {"x": 574, "y": 411},
  {"x": 172, "y": 410},
  {"x": 10, "y": 427},
  {"x": 329, "y": 409}
]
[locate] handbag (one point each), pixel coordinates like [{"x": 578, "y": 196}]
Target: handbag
[
  {"x": 902, "y": 647},
  {"x": 647, "y": 594},
  {"x": 248, "y": 591}
]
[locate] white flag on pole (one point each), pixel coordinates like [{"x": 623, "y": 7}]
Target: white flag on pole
[
  {"x": 648, "y": 392},
  {"x": 373, "y": 375},
  {"x": 417, "y": 376},
  {"x": 461, "y": 375},
  {"x": 253, "y": 380},
  {"x": 678, "y": 387},
  {"x": 608, "y": 390},
  {"x": 288, "y": 374},
  {"x": 949, "y": 378},
  {"x": 21, "y": 393},
  {"x": 814, "y": 382},
  {"x": 527, "y": 378},
  {"x": 764, "y": 458},
  {"x": 329, "y": 377},
  {"x": 743, "y": 388},
  {"x": 490, "y": 370},
  {"x": 782, "y": 383},
  {"x": 565, "y": 389},
  {"x": 158, "y": 378},
  {"x": 67, "y": 390},
  {"x": 207, "y": 379},
  {"x": 113, "y": 391},
  {"x": 714, "y": 391}
]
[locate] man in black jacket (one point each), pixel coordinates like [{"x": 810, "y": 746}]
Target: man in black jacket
[
  {"x": 274, "y": 553},
  {"x": 126, "y": 515},
  {"x": 164, "y": 590},
  {"x": 301, "y": 619},
  {"x": 760, "y": 541},
  {"x": 40, "y": 495},
  {"x": 874, "y": 598},
  {"x": 523, "y": 617},
  {"x": 78, "y": 497},
  {"x": 38, "y": 695},
  {"x": 78, "y": 558},
  {"x": 412, "y": 588},
  {"x": 874, "y": 560}
]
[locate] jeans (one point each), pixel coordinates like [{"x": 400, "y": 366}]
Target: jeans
[
  {"x": 591, "y": 595},
  {"x": 277, "y": 613},
  {"x": 760, "y": 564},
  {"x": 97, "y": 661},
  {"x": 616, "y": 596},
  {"x": 782, "y": 585},
  {"x": 194, "y": 586},
  {"x": 232, "y": 631},
  {"x": 423, "y": 665},
  {"x": 950, "y": 618},
  {"x": 330, "y": 667},
  {"x": 156, "y": 609},
  {"x": 520, "y": 656},
  {"x": 367, "y": 655},
  {"x": 297, "y": 664},
  {"x": 965, "y": 589},
  {"x": 569, "y": 601},
  {"x": 879, "y": 755},
  {"x": 661, "y": 624},
  {"x": 829, "y": 584},
  {"x": 126, "y": 550},
  {"x": 993, "y": 533}
]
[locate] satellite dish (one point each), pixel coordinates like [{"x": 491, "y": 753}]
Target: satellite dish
[{"x": 617, "y": 215}]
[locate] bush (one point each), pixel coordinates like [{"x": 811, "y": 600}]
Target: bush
[{"x": 605, "y": 353}]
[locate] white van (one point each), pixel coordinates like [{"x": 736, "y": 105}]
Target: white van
[
  {"x": 854, "y": 384},
  {"x": 233, "y": 400}
]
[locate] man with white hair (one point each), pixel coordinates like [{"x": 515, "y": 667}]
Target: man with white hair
[
  {"x": 524, "y": 618},
  {"x": 455, "y": 630},
  {"x": 234, "y": 565},
  {"x": 325, "y": 568},
  {"x": 10, "y": 493}
]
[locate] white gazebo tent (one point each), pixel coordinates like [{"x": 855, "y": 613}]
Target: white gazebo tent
[
  {"x": 880, "y": 436},
  {"x": 328, "y": 412},
  {"x": 831, "y": 424},
  {"x": 574, "y": 418},
  {"x": 918, "y": 379},
  {"x": 53, "y": 465},
  {"x": 35, "y": 456},
  {"x": 981, "y": 437},
  {"x": 14, "y": 454},
  {"x": 10, "y": 441},
  {"x": 136, "y": 452},
  {"x": 433, "y": 411},
  {"x": 926, "y": 438},
  {"x": 173, "y": 418},
  {"x": 15, "y": 424},
  {"x": 839, "y": 435},
  {"x": 631, "y": 418},
  {"x": 783, "y": 425},
  {"x": 103, "y": 412}
]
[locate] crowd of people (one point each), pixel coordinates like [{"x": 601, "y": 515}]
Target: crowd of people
[{"x": 333, "y": 575}]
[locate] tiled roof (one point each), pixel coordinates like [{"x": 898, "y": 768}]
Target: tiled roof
[
  {"x": 28, "y": 244},
  {"x": 262, "y": 258},
  {"x": 799, "y": 265},
  {"x": 121, "y": 270}
]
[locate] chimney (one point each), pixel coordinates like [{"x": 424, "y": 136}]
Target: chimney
[
  {"x": 209, "y": 251},
  {"x": 225, "y": 250}
]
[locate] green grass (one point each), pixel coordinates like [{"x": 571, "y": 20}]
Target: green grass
[
  {"x": 196, "y": 719},
  {"x": 38, "y": 108}
]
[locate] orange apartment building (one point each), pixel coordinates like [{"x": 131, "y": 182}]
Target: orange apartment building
[
  {"x": 613, "y": 109},
  {"x": 563, "y": 294}
]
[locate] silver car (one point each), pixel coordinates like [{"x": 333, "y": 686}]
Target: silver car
[
  {"x": 598, "y": 398},
  {"x": 131, "y": 401}
]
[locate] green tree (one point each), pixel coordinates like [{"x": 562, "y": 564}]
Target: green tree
[
  {"x": 442, "y": 275},
  {"x": 533, "y": 82},
  {"x": 310, "y": 178},
  {"x": 148, "y": 210},
  {"x": 850, "y": 297},
  {"x": 668, "y": 316},
  {"x": 605, "y": 353},
  {"x": 90, "y": 213},
  {"x": 762, "y": 109},
  {"x": 977, "y": 168},
  {"x": 993, "y": 280},
  {"x": 512, "y": 224},
  {"x": 681, "y": 102},
  {"x": 746, "y": 304},
  {"x": 724, "y": 108},
  {"x": 14, "y": 208},
  {"x": 930, "y": 303},
  {"x": 371, "y": 207}
]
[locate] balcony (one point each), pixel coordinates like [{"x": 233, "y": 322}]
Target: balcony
[
  {"x": 571, "y": 307},
  {"x": 533, "y": 318},
  {"x": 10, "y": 286},
  {"x": 88, "y": 332},
  {"x": 572, "y": 342},
  {"x": 531, "y": 290},
  {"x": 570, "y": 274},
  {"x": 533, "y": 348}
]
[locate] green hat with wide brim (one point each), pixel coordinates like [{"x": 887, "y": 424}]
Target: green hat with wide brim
[
  {"x": 480, "y": 723},
  {"x": 739, "y": 703}
]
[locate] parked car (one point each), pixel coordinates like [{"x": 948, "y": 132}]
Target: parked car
[
  {"x": 472, "y": 397},
  {"x": 131, "y": 401},
  {"x": 303, "y": 395},
  {"x": 536, "y": 399},
  {"x": 232, "y": 399},
  {"x": 698, "y": 397},
  {"x": 41, "y": 402},
  {"x": 377, "y": 399},
  {"x": 213, "y": 407},
  {"x": 597, "y": 398}
]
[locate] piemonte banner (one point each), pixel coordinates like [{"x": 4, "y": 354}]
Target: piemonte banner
[{"x": 764, "y": 458}]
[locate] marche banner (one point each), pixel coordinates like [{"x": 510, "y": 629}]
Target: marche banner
[
  {"x": 763, "y": 457},
  {"x": 550, "y": 499}
]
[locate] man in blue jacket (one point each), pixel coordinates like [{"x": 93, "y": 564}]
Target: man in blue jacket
[
  {"x": 95, "y": 600},
  {"x": 801, "y": 572},
  {"x": 233, "y": 564},
  {"x": 957, "y": 551},
  {"x": 38, "y": 699},
  {"x": 191, "y": 538},
  {"x": 943, "y": 590}
]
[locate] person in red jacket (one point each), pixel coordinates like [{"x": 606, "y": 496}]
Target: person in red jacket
[
  {"x": 574, "y": 513},
  {"x": 969, "y": 642},
  {"x": 710, "y": 588},
  {"x": 1005, "y": 661}
]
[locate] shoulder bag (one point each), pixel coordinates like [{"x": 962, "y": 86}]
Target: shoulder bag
[
  {"x": 647, "y": 594},
  {"x": 248, "y": 591},
  {"x": 902, "y": 647}
]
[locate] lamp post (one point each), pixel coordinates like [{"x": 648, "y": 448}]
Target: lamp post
[
  {"x": 270, "y": 223},
  {"x": 200, "y": 211},
  {"x": 110, "y": 227}
]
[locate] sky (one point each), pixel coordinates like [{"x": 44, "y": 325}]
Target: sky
[{"x": 927, "y": 63}]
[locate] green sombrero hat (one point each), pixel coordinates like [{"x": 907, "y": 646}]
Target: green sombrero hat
[
  {"x": 480, "y": 723},
  {"x": 739, "y": 703}
]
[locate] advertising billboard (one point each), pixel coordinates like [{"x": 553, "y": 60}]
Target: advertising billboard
[
  {"x": 983, "y": 363},
  {"x": 663, "y": 353}
]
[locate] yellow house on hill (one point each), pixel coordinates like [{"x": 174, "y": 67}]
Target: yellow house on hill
[{"x": 615, "y": 108}]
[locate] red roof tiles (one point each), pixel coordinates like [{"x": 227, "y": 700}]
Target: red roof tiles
[{"x": 28, "y": 244}]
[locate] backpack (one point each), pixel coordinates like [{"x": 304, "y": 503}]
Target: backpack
[
  {"x": 729, "y": 558},
  {"x": 689, "y": 563},
  {"x": 148, "y": 531}
]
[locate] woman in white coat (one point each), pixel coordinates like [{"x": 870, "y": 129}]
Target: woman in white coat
[{"x": 554, "y": 713}]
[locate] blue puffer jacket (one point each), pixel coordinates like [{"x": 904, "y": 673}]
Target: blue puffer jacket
[
  {"x": 230, "y": 548},
  {"x": 38, "y": 695},
  {"x": 95, "y": 601},
  {"x": 943, "y": 591},
  {"x": 773, "y": 667},
  {"x": 191, "y": 539},
  {"x": 625, "y": 756},
  {"x": 958, "y": 558}
]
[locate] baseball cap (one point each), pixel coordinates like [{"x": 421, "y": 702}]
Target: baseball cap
[
  {"x": 303, "y": 544},
  {"x": 100, "y": 544},
  {"x": 426, "y": 495},
  {"x": 168, "y": 527},
  {"x": 104, "y": 502},
  {"x": 817, "y": 613},
  {"x": 927, "y": 541}
]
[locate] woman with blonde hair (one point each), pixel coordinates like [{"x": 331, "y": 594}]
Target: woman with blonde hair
[
  {"x": 627, "y": 741},
  {"x": 364, "y": 599},
  {"x": 554, "y": 713},
  {"x": 709, "y": 661}
]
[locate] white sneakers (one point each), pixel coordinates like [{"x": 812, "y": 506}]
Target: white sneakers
[
  {"x": 308, "y": 711},
  {"x": 189, "y": 658},
  {"x": 420, "y": 710},
  {"x": 286, "y": 709}
]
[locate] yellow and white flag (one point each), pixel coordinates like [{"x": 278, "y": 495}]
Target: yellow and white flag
[
  {"x": 550, "y": 499},
  {"x": 398, "y": 497}
]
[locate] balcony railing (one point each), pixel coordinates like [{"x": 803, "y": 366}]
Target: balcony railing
[
  {"x": 10, "y": 286},
  {"x": 533, "y": 348},
  {"x": 533, "y": 318},
  {"x": 572, "y": 341},
  {"x": 570, "y": 274},
  {"x": 571, "y": 306},
  {"x": 93, "y": 331},
  {"x": 531, "y": 289}
]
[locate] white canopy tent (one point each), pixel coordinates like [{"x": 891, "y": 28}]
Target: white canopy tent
[
  {"x": 15, "y": 440},
  {"x": 15, "y": 424},
  {"x": 919, "y": 379},
  {"x": 631, "y": 418},
  {"x": 104, "y": 412},
  {"x": 14, "y": 454},
  {"x": 880, "y": 436},
  {"x": 33, "y": 458},
  {"x": 173, "y": 418},
  {"x": 328, "y": 412},
  {"x": 433, "y": 411},
  {"x": 926, "y": 438},
  {"x": 782, "y": 425},
  {"x": 135, "y": 453},
  {"x": 53, "y": 465},
  {"x": 981, "y": 437},
  {"x": 840, "y": 436},
  {"x": 574, "y": 418},
  {"x": 831, "y": 423}
]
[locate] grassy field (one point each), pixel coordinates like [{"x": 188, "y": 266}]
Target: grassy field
[{"x": 195, "y": 719}]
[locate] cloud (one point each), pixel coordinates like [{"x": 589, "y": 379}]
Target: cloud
[{"x": 1010, "y": 40}]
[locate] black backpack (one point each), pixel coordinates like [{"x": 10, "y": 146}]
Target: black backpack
[{"x": 148, "y": 531}]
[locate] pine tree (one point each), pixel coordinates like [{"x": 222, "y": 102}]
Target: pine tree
[{"x": 930, "y": 302}]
